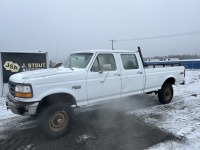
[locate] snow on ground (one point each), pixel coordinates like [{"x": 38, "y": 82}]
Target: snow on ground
[
  {"x": 181, "y": 117},
  {"x": 4, "y": 113}
]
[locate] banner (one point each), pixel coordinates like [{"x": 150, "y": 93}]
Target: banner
[{"x": 19, "y": 62}]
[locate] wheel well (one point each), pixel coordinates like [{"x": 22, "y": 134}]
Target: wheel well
[
  {"x": 170, "y": 81},
  {"x": 57, "y": 97}
]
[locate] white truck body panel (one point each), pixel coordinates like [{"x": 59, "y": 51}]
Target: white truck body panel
[
  {"x": 88, "y": 87},
  {"x": 50, "y": 81},
  {"x": 155, "y": 76},
  {"x": 99, "y": 85},
  {"x": 130, "y": 78}
]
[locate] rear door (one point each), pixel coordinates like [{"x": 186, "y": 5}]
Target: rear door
[
  {"x": 104, "y": 79},
  {"x": 132, "y": 74}
]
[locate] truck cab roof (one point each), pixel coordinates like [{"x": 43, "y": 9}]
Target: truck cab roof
[{"x": 106, "y": 51}]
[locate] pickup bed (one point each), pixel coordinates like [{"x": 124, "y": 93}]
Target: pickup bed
[{"x": 86, "y": 77}]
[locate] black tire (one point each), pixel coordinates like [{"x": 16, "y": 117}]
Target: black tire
[
  {"x": 55, "y": 119},
  {"x": 165, "y": 95}
]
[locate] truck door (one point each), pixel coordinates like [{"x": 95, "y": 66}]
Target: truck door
[
  {"x": 104, "y": 79},
  {"x": 132, "y": 75}
]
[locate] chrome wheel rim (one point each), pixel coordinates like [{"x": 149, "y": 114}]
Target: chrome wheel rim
[
  {"x": 168, "y": 94},
  {"x": 58, "y": 121}
]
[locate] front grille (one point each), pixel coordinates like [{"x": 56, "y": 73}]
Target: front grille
[{"x": 12, "y": 88}]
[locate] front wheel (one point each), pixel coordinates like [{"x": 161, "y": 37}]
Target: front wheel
[
  {"x": 165, "y": 95},
  {"x": 55, "y": 120}
]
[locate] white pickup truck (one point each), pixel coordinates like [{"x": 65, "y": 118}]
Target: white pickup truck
[{"x": 86, "y": 77}]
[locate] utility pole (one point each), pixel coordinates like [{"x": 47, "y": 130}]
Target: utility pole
[{"x": 112, "y": 44}]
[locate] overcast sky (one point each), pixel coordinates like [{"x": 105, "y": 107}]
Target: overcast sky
[{"x": 71, "y": 25}]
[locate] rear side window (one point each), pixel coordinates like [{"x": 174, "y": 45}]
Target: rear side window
[
  {"x": 129, "y": 61},
  {"x": 104, "y": 61}
]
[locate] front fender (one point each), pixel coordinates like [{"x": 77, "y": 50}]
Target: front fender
[{"x": 54, "y": 91}]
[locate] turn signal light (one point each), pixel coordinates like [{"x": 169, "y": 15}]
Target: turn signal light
[{"x": 24, "y": 95}]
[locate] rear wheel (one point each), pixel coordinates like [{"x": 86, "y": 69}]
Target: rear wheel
[
  {"x": 165, "y": 95},
  {"x": 55, "y": 120}
]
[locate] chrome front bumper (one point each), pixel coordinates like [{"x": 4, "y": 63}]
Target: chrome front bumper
[{"x": 21, "y": 108}]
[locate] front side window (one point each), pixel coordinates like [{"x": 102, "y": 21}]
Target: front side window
[
  {"x": 78, "y": 60},
  {"x": 129, "y": 61},
  {"x": 104, "y": 62}
]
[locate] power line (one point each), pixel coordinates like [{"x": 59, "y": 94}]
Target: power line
[{"x": 159, "y": 37}]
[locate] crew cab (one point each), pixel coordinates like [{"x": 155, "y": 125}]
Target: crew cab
[{"x": 87, "y": 77}]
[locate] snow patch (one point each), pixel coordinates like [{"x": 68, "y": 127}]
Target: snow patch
[
  {"x": 28, "y": 147},
  {"x": 4, "y": 113},
  {"x": 84, "y": 138},
  {"x": 181, "y": 117}
]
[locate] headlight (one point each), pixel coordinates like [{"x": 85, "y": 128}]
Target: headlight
[{"x": 23, "y": 91}]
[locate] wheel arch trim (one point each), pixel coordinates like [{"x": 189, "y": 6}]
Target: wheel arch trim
[{"x": 169, "y": 79}]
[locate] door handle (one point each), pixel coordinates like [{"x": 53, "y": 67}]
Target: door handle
[
  {"x": 117, "y": 74},
  {"x": 139, "y": 72}
]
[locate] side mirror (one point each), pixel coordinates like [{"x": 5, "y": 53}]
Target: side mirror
[{"x": 107, "y": 67}]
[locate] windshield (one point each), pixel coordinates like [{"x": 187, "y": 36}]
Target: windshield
[{"x": 78, "y": 60}]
